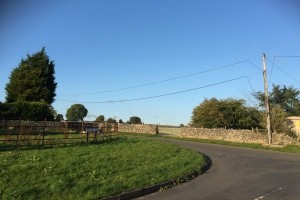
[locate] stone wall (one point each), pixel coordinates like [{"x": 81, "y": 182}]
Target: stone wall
[
  {"x": 65, "y": 125},
  {"x": 242, "y": 136},
  {"x": 138, "y": 128},
  {"x": 49, "y": 125}
]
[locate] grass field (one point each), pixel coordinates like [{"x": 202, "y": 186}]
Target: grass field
[
  {"x": 92, "y": 171},
  {"x": 170, "y": 131}
]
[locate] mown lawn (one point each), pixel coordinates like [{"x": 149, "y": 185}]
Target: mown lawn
[{"x": 92, "y": 171}]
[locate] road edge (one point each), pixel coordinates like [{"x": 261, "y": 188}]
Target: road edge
[{"x": 164, "y": 185}]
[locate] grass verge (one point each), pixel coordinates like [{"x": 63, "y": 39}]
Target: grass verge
[
  {"x": 92, "y": 171},
  {"x": 286, "y": 149}
]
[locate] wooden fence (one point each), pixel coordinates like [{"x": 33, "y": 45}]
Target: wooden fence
[{"x": 17, "y": 133}]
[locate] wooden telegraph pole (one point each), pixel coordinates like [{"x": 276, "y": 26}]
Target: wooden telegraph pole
[{"x": 267, "y": 100}]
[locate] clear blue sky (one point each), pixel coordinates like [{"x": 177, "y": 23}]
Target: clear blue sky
[{"x": 107, "y": 45}]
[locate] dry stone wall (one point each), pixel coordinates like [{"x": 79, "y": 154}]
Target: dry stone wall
[
  {"x": 138, "y": 128},
  {"x": 54, "y": 125},
  {"x": 49, "y": 125},
  {"x": 242, "y": 136}
]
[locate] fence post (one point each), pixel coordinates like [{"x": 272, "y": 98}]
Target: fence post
[
  {"x": 43, "y": 139},
  {"x": 17, "y": 140},
  {"x": 45, "y": 124},
  {"x": 19, "y": 131},
  {"x": 44, "y": 130},
  {"x": 19, "y": 126},
  {"x": 65, "y": 126},
  {"x": 82, "y": 126},
  {"x": 87, "y": 137}
]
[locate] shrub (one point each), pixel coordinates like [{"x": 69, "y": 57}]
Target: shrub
[{"x": 24, "y": 110}]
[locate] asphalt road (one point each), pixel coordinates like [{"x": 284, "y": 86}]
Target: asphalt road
[{"x": 239, "y": 173}]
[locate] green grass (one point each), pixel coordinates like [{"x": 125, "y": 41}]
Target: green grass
[
  {"x": 92, "y": 171},
  {"x": 170, "y": 131},
  {"x": 287, "y": 149}
]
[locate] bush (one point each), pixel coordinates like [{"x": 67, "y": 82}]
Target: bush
[{"x": 24, "y": 110}]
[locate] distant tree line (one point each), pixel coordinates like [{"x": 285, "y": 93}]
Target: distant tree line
[{"x": 132, "y": 120}]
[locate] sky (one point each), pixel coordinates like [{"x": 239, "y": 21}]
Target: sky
[{"x": 155, "y": 59}]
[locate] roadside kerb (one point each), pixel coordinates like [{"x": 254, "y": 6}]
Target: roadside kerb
[{"x": 164, "y": 185}]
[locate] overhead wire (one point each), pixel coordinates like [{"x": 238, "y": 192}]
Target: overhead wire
[
  {"x": 157, "y": 96},
  {"x": 162, "y": 81},
  {"x": 270, "y": 77},
  {"x": 283, "y": 71},
  {"x": 250, "y": 84}
]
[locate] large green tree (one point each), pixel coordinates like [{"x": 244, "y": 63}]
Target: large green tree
[
  {"x": 229, "y": 113},
  {"x": 288, "y": 98},
  {"x": 33, "y": 80},
  {"x": 77, "y": 112}
]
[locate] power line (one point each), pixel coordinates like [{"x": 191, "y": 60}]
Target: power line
[
  {"x": 249, "y": 61},
  {"x": 273, "y": 62},
  {"x": 271, "y": 70},
  {"x": 250, "y": 84},
  {"x": 287, "y": 74},
  {"x": 165, "y": 80},
  {"x": 287, "y": 56},
  {"x": 157, "y": 96}
]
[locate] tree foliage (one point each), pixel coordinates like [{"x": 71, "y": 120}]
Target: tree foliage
[
  {"x": 111, "y": 120},
  {"x": 135, "y": 120},
  {"x": 100, "y": 118},
  {"x": 24, "y": 110},
  {"x": 33, "y": 80},
  {"x": 288, "y": 98},
  {"x": 59, "y": 117},
  {"x": 279, "y": 121},
  {"x": 77, "y": 112},
  {"x": 229, "y": 113},
  {"x": 1, "y": 110}
]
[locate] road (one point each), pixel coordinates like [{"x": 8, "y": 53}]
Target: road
[{"x": 239, "y": 173}]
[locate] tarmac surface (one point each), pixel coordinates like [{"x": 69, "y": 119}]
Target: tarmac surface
[{"x": 239, "y": 173}]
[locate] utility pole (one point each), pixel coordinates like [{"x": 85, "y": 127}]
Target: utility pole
[{"x": 267, "y": 100}]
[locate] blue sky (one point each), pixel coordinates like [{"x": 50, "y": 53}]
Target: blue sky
[{"x": 102, "y": 46}]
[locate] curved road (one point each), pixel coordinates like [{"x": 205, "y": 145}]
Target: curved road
[{"x": 239, "y": 173}]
